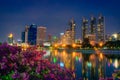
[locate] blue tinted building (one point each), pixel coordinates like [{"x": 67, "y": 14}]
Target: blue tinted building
[
  {"x": 29, "y": 35},
  {"x": 32, "y": 34},
  {"x": 23, "y": 37}
]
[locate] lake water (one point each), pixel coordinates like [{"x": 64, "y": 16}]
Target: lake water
[{"x": 92, "y": 66}]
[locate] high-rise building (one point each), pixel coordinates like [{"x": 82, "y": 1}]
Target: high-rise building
[
  {"x": 67, "y": 37},
  {"x": 26, "y": 34},
  {"x": 61, "y": 38},
  {"x": 10, "y": 39},
  {"x": 32, "y": 32},
  {"x": 92, "y": 39},
  {"x": 49, "y": 38},
  {"x": 23, "y": 37},
  {"x": 84, "y": 28},
  {"x": 41, "y": 35},
  {"x": 93, "y": 25},
  {"x": 72, "y": 28},
  {"x": 101, "y": 29}
]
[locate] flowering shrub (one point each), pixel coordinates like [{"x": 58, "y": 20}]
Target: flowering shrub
[{"x": 29, "y": 65}]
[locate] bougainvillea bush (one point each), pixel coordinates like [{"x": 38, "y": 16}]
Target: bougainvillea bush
[{"x": 29, "y": 65}]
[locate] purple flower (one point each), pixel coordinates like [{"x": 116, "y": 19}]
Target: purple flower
[
  {"x": 25, "y": 76},
  {"x": 16, "y": 75},
  {"x": 4, "y": 59},
  {"x": 3, "y": 66}
]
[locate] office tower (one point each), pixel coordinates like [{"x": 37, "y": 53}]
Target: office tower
[
  {"x": 93, "y": 25},
  {"x": 10, "y": 39},
  {"x": 67, "y": 37},
  {"x": 84, "y": 28},
  {"x": 23, "y": 37},
  {"x": 61, "y": 38},
  {"x": 26, "y": 34},
  {"x": 41, "y": 35},
  {"x": 30, "y": 35},
  {"x": 49, "y": 38},
  {"x": 101, "y": 29},
  {"x": 107, "y": 37},
  {"x": 72, "y": 28}
]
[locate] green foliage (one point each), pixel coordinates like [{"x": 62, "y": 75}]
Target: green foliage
[{"x": 112, "y": 44}]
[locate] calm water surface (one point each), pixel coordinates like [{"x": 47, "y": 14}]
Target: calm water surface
[{"x": 86, "y": 66}]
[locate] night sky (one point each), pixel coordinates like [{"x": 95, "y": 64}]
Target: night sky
[{"x": 55, "y": 15}]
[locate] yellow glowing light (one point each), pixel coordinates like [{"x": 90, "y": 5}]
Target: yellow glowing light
[
  {"x": 64, "y": 53},
  {"x": 101, "y": 44},
  {"x": 73, "y": 45},
  {"x": 92, "y": 57},
  {"x": 101, "y": 56},
  {"x": 116, "y": 63},
  {"x": 24, "y": 46},
  {"x": 56, "y": 52},
  {"x": 73, "y": 54},
  {"x": 56, "y": 45},
  {"x": 10, "y": 35},
  {"x": 95, "y": 48},
  {"x": 92, "y": 43},
  {"x": 110, "y": 61},
  {"x": 63, "y": 45},
  {"x": 115, "y": 35}
]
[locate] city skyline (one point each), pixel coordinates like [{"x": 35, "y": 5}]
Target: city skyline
[{"x": 55, "y": 15}]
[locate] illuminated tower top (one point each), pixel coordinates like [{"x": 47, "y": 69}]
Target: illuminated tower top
[
  {"x": 93, "y": 25},
  {"x": 72, "y": 28},
  {"x": 10, "y": 39},
  {"x": 101, "y": 29},
  {"x": 84, "y": 28}
]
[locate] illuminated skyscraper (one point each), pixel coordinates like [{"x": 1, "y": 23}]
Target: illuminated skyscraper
[
  {"x": 67, "y": 37},
  {"x": 72, "y": 28},
  {"x": 41, "y": 35},
  {"x": 23, "y": 37},
  {"x": 29, "y": 34},
  {"x": 26, "y": 34},
  {"x": 32, "y": 32},
  {"x": 84, "y": 28},
  {"x": 10, "y": 39},
  {"x": 49, "y": 38},
  {"x": 101, "y": 29},
  {"x": 93, "y": 25}
]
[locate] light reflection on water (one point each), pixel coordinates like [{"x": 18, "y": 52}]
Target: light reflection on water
[{"x": 86, "y": 66}]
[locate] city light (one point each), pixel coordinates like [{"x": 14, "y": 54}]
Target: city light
[
  {"x": 116, "y": 64},
  {"x": 101, "y": 44},
  {"x": 61, "y": 64},
  {"x": 10, "y": 35},
  {"x": 101, "y": 56},
  {"x": 73, "y": 54},
  {"x": 24, "y": 46},
  {"x": 89, "y": 64},
  {"x": 63, "y": 45},
  {"x": 76, "y": 58},
  {"x": 73, "y": 45},
  {"x": 55, "y": 45},
  {"x": 115, "y": 35},
  {"x": 54, "y": 59}
]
